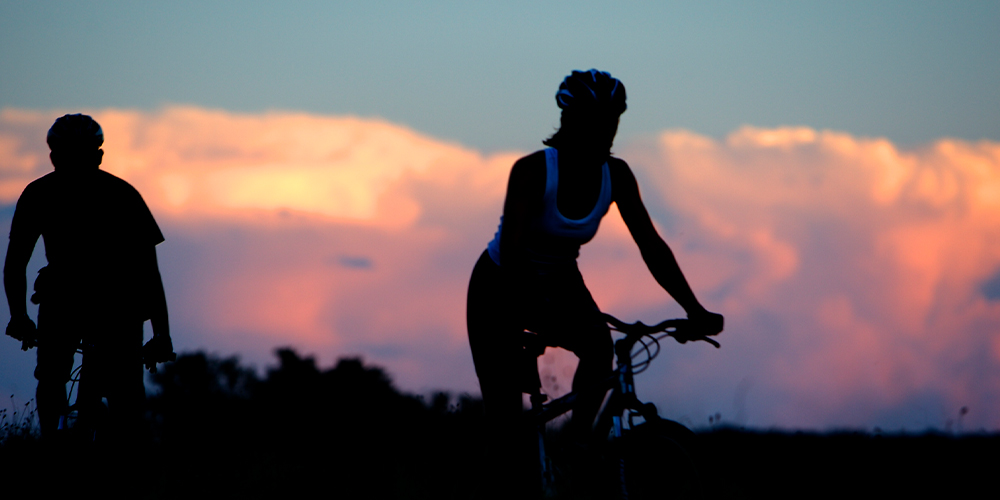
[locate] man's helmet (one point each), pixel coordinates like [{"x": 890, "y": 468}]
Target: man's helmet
[
  {"x": 592, "y": 91},
  {"x": 77, "y": 132}
]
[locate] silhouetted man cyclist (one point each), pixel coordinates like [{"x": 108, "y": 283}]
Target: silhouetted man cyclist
[
  {"x": 100, "y": 285},
  {"x": 528, "y": 276}
]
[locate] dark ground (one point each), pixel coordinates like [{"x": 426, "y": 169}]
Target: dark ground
[{"x": 219, "y": 430}]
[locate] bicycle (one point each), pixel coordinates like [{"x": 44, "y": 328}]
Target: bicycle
[
  {"x": 636, "y": 450},
  {"x": 71, "y": 415}
]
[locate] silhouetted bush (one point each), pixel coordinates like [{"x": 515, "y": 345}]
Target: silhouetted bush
[
  {"x": 346, "y": 429},
  {"x": 222, "y": 430}
]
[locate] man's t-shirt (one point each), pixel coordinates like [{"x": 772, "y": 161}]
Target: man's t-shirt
[{"x": 99, "y": 238}]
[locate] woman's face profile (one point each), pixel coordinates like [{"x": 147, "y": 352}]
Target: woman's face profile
[{"x": 594, "y": 131}]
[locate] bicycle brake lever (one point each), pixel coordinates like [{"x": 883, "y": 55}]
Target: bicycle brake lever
[
  {"x": 683, "y": 339},
  {"x": 710, "y": 341}
]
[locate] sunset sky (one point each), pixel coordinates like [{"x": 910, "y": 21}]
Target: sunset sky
[{"x": 326, "y": 176}]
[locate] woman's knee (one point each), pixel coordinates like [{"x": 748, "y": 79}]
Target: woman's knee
[{"x": 595, "y": 347}]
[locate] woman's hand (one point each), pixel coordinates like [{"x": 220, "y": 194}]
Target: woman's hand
[{"x": 705, "y": 322}]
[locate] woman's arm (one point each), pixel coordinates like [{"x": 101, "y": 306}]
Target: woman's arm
[{"x": 655, "y": 252}]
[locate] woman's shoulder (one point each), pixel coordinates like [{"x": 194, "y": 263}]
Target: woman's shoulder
[
  {"x": 623, "y": 183},
  {"x": 534, "y": 159},
  {"x": 616, "y": 162},
  {"x": 528, "y": 175},
  {"x": 617, "y": 167},
  {"x": 531, "y": 166}
]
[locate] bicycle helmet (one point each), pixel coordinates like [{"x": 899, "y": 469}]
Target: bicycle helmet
[
  {"x": 591, "y": 90},
  {"x": 77, "y": 131}
]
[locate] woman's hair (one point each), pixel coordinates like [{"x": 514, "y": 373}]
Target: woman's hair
[
  {"x": 577, "y": 130},
  {"x": 590, "y": 100}
]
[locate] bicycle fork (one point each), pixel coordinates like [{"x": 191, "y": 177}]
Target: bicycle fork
[
  {"x": 616, "y": 431},
  {"x": 545, "y": 465},
  {"x": 621, "y": 401}
]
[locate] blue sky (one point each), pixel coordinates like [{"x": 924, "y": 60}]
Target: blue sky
[{"x": 483, "y": 73}]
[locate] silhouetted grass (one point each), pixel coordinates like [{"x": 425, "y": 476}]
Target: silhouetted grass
[
  {"x": 18, "y": 425},
  {"x": 847, "y": 464},
  {"x": 220, "y": 430}
]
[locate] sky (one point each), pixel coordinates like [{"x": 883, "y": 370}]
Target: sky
[{"x": 327, "y": 175}]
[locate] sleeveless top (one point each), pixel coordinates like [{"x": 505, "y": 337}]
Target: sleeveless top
[{"x": 553, "y": 241}]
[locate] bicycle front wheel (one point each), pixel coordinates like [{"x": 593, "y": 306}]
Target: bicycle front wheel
[{"x": 659, "y": 463}]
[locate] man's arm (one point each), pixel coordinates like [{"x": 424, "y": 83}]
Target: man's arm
[
  {"x": 14, "y": 269},
  {"x": 15, "y": 285},
  {"x": 658, "y": 257},
  {"x": 158, "y": 306},
  {"x": 160, "y": 349}
]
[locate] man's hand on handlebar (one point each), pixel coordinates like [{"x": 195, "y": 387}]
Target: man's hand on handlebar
[
  {"x": 159, "y": 349},
  {"x": 23, "y": 329}
]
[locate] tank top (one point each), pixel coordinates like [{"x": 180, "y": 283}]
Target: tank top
[{"x": 553, "y": 241}]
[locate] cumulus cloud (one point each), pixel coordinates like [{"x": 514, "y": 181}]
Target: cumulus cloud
[
  {"x": 335, "y": 235},
  {"x": 852, "y": 272},
  {"x": 858, "y": 279}
]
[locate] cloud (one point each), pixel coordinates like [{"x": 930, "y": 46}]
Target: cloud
[
  {"x": 858, "y": 279},
  {"x": 337, "y": 235},
  {"x": 852, "y": 273}
]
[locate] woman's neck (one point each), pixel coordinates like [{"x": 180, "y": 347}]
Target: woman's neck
[{"x": 583, "y": 157}]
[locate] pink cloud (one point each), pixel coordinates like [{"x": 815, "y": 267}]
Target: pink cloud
[
  {"x": 861, "y": 267},
  {"x": 851, "y": 272}
]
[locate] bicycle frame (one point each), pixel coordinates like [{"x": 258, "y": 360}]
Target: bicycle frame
[
  {"x": 72, "y": 411},
  {"x": 620, "y": 383}
]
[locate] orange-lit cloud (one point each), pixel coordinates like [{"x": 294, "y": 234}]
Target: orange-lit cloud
[
  {"x": 861, "y": 282},
  {"x": 858, "y": 274}
]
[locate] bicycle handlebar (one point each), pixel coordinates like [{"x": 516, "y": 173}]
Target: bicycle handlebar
[{"x": 679, "y": 329}]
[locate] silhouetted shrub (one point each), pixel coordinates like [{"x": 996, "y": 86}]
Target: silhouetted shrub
[
  {"x": 346, "y": 429},
  {"x": 347, "y": 432}
]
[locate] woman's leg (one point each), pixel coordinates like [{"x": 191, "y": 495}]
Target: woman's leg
[
  {"x": 576, "y": 324},
  {"x": 495, "y": 341},
  {"x": 596, "y": 352}
]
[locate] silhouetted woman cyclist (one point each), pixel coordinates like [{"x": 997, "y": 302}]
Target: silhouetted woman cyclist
[{"x": 528, "y": 277}]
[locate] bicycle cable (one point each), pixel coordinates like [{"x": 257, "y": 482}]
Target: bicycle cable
[
  {"x": 652, "y": 349},
  {"x": 640, "y": 366},
  {"x": 74, "y": 377},
  {"x": 651, "y": 353}
]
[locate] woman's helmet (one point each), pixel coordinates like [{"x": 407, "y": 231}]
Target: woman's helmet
[
  {"x": 77, "y": 132},
  {"x": 591, "y": 91}
]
